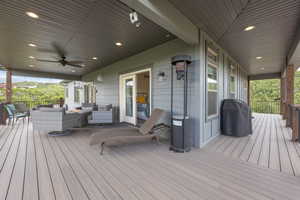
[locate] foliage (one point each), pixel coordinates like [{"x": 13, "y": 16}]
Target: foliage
[
  {"x": 297, "y": 88},
  {"x": 265, "y": 94},
  {"x": 265, "y": 90},
  {"x": 35, "y": 92}
]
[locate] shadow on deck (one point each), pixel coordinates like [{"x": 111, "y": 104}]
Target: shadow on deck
[{"x": 270, "y": 145}]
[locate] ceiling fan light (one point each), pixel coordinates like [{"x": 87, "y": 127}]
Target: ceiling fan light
[
  {"x": 31, "y": 57},
  {"x": 118, "y": 44},
  {"x": 95, "y": 58},
  {"x": 32, "y": 15}
]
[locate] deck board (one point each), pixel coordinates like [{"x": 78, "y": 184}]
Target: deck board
[
  {"x": 269, "y": 146},
  {"x": 30, "y": 180},
  {"x": 35, "y": 166}
]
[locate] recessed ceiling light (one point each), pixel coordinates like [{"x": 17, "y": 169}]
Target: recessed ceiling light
[
  {"x": 95, "y": 58},
  {"x": 258, "y": 57},
  {"x": 73, "y": 71},
  {"x": 32, "y": 15},
  {"x": 30, "y": 65},
  {"x": 249, "y": 28},
  {"x": 32, "y": 45},
  {"x": 31, "y": 57},
  {"x": 262, "y": 68},
  {"x": 119, "y": 44}
]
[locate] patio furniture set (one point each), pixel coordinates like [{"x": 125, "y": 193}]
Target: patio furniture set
[{"x": 57, "y": 121}]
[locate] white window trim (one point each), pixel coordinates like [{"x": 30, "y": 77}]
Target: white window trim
[
  {"x": 231, "y": 63},
  {"x": 207, "y": 48}
]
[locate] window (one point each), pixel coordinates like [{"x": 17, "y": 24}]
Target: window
[
  {"x": 232, "y": 80},
  {"x": 66, "y": 92},
  {"x": 77, "y": 94},
  {"x": 93, "y": 94},
  {"x": 212, "y": 59},
  {"x": 245, "y": 88},
  {"x": 89, "y": 93},
  {"x": 86, "y": 94}
]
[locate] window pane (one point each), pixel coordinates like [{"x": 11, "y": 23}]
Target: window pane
[
  {"x": 66, "y": 93},
  {"x": 232, "y": 84},
  {"x": 212, "y": 82},
  {"x": 212, "y": 103},
  {"x": 76, "y": 95},
  {"x": 232, "y": 81},
  {"x": 129, "y": 97},
  {"x": 212, "y": 78}
]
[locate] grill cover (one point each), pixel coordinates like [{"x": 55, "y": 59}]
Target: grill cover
[{"x": 235, "y": 118}]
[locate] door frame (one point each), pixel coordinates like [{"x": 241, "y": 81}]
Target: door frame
[{"x": 121, "y": 92}]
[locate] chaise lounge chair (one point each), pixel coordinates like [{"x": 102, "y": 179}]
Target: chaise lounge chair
[{"x": 150, "y": 130}]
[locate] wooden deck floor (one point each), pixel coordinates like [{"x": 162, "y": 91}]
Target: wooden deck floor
[
  {"x": 34, "y": 166},
  {"x": 270, "y": 145}
]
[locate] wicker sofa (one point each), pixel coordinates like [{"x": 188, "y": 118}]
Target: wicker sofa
[{"x": 54, "y": 119}]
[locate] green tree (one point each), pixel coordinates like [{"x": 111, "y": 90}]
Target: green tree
[{"x": 264, "y": 95}]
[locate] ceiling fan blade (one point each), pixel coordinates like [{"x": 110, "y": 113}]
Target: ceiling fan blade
[
  {"x": 75, "y": 62},
  {"x": 73, "y": 65},
  {"x": 52, "y": 61},
  {"x": 60, "y": 51},
  {"x": 42, "y": 50}
]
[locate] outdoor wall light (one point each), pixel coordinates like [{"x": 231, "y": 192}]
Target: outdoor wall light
[
  {"x": 99, "y": 78},
  {"x": 161, "y": 76}
]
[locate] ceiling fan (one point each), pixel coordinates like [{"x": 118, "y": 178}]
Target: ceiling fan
[{"x": 62, "y": 54}]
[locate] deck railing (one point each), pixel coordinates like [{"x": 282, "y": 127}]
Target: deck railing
[
  {"x": 33, "y": 103},
  {"x": 272, "y": 107}
]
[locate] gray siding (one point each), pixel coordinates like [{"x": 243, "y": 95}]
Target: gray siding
[
  {"x": 158, "y": 59},
  {"x": 211, "y": 127}
]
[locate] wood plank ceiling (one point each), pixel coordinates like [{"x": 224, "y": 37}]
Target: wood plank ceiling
[
  {"x": 276, "y": 22},
  {"x": 84, "y": 28}
]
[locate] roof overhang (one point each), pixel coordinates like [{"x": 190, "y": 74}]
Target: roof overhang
[
  {"x": 167, "y": 16},
  {"x": 293, "y": 56},
  {"x": 29, "y": 73},
  {"x": 265, "y": 76}
]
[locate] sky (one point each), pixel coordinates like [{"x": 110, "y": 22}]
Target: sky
[{"x": 25, "y": 78}]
